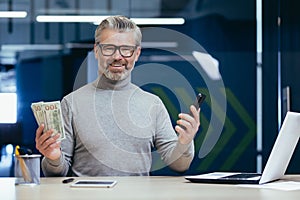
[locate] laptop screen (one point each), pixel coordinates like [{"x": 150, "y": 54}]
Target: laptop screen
[{"x": 277, "y": 163}]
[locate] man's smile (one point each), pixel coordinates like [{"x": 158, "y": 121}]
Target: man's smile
[{"x": 117, "y": 67}]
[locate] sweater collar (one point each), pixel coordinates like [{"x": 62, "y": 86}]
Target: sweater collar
[{"x": 102, "y": 82}]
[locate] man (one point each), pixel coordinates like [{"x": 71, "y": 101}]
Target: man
[{"x": 112, "y": 125}]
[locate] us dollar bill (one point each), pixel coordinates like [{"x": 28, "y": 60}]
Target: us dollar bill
[
  {"x": 38, "y": 113},
  {"x": 49, "y": 113}
]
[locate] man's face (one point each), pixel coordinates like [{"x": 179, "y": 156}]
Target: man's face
[{"x": 116, "y": 66}]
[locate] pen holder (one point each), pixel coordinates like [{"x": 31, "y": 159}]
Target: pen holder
[{"x": 27, "y": 169}]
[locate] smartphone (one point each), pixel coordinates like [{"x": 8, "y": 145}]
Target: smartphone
[
  {"x": 199, "y": 100},
  {"x": 94, "y": 183}
]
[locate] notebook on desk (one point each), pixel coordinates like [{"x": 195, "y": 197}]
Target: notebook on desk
[{"x": 276, "y": 165}]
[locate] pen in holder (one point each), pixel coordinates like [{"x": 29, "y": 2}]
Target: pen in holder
[
  {"x": 24, "y": 169},
  {"x": 27, "y": 168}
]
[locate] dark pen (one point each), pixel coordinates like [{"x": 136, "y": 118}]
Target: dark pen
[{"x": 68, "y": 180}]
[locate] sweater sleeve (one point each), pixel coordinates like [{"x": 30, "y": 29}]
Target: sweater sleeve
[
  {"x": 176, "y": 155},
  {"x": 60, "y": 167}
]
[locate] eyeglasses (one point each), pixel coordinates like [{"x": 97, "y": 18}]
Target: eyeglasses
[{"x": 109, "y": 49}]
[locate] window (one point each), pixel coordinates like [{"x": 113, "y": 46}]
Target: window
[{"x": 8, "y": 108}]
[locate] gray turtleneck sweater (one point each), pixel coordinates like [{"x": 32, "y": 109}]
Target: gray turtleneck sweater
[{"x": 115, "y": 129}]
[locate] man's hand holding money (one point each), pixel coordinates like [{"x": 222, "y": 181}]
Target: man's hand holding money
[
  {"x": 47, "y": 143},
  {"x": 51, "y": 128}
]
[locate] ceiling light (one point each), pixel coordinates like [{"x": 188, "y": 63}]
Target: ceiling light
[
  {"x": 70, "y": 18},
  {"x": 97, "y": 19},
  {"x": 159, "y": 21},
  {"x": 13, "y": 14},
  {"x": 33, "y": 47}
]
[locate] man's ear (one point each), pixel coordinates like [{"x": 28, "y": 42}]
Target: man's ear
[
  {"x": 138, "y": 53},
  {"x": 96, "y": 49}
]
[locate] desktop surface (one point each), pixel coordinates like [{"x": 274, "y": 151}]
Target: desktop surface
[{"x": 141, "y": 187}]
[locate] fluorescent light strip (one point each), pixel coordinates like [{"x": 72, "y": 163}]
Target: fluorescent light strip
[
  {"x": 70, "y": 18},
  {"x": 97, "y": 19},
  {"x": 159, "y": 21},
  {"x": 23, "y": 47},
  {"x": 144, "y": 45},
  {"x": 13, "y": 14},
  {"x": 159, "y": 44}
]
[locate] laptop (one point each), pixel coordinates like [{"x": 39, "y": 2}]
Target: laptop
[{"x": 276, "y": 165}]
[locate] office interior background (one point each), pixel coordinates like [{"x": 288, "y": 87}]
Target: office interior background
[{"x": 256, "y": 43}]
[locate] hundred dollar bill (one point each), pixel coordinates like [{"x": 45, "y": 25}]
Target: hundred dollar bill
[
  {"x": 38, "y": 112},
  {"x": 50, "y": 114},
  {"x": 53, "y": 117}
]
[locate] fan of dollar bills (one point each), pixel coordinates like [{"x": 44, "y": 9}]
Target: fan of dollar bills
[{"x": 49, "y": 114}]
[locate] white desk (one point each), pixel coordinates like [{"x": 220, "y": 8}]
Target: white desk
[{"x": 154, "y": 188}]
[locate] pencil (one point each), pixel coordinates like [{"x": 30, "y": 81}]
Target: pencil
[{"x": 24, "y": 169}]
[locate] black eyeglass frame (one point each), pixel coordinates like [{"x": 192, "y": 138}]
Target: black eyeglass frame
[{"x": 117, "y": 48}]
